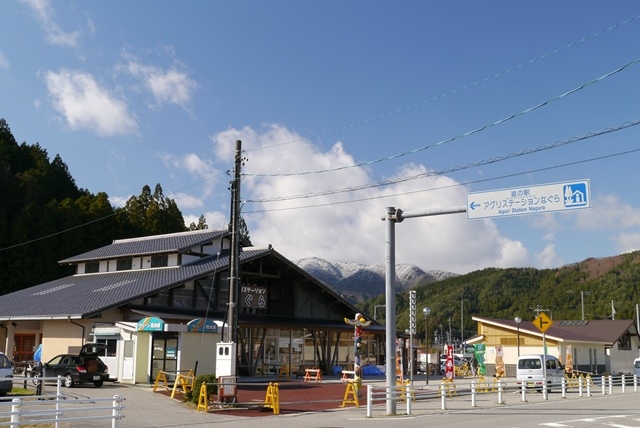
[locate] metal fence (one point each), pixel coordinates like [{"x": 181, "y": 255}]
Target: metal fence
[
  {"x": 57, "y": 408},
  {"x": 440, "y": 397}
]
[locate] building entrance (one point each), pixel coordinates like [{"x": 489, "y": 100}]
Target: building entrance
[{"x": 164, "y": 353}]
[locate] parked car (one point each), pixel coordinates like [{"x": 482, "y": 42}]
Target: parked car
[
  {"x": 86, "y": 367},
  {"x": 6, "y": 374}
]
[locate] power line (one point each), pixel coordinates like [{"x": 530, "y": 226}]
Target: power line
[
  {"x": 484, "y": 180},
  {"x": 460, "y": 89},
  {"x": 94, "y": 221},
  {"x": 525, "y": 152},
  {"x": 459, "y": 136}
]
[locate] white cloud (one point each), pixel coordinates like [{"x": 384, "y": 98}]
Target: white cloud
[
  {"x": 548, "y": 258},
  {"x": 215, "y": 220},
  {"x": 185, "y": 201},
  {"x": 355, "y": 231},
  {"x": 84, "y": 104},
  {"x": 118, "y": 201},
  {"x": 4, "y": 62},
  {"x": 172, "y": 86},
  {"x": 627, "y": 242},
  {"x": 45, "y": 14},
  {"x": 199, "y": 168},
  {"x": 608, "y": 212}
]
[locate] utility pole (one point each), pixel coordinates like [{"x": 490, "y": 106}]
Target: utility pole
[
  {"x": 582, "y": 294},
  {"x": 462, "y": 322},
  {"x": 234, "y": 264}
]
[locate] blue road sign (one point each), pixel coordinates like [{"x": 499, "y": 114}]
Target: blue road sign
[{"x": 529, "y": 200}]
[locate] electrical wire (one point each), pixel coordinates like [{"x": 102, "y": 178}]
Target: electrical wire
[
  {"x": 459, "y": 136},
  {"x": 435, "y": 98},
  {"x": 484, "y": 180},
  {"x": 496, "y": 159}
]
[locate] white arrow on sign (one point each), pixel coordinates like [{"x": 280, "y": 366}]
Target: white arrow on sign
[{"x": 529, "y": 200}]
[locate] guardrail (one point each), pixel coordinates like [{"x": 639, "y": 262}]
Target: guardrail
[
  {"x": 49, "y": 408},
  {"x": 450, "y": 391}
]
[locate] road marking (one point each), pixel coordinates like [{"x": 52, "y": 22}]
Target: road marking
[{"x": 575, "y": 422}]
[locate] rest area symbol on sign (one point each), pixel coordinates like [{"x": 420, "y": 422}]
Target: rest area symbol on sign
[{"x": 529, "y": 200}]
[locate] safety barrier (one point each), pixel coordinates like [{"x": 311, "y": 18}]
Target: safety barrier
[
  {"x": 312, "y": 375},
  {"x": 448, "y": 391},
  {"x": 185, "y": 382},
  {"x": 55, "y": 409},
  {"x": 272, "y": 400}
]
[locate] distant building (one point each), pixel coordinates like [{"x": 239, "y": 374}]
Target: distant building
[{"x": 594, "y": 346}]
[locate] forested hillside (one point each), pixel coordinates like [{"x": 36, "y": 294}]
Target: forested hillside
[
  {"x": 507, "y": 293},
  {"x": 45, "y": 217}
]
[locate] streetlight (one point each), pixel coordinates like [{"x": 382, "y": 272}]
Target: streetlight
[
  {"x": 518, "y": 320},
  {"x": 426, "y": 312}
]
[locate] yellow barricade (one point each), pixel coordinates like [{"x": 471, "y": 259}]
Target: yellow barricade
[
  {"x": 203, "y": 399},
  {"x": 161, "y": 377},
  {"x": 481, "y": 382},
  {"x": 183, "y": 381},
  {"x": 449, "y": 387},
  {"x": 350, "y": 395},
  {"x": 272, "y": 400}
]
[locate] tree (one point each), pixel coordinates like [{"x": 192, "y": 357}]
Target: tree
[
  {"x": 244, "y": 231},
  {"x": 202, "y": 224},
  {"x": 152, "y": 214}
]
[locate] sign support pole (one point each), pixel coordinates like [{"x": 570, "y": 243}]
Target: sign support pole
[{"x": 392, "y": 217}]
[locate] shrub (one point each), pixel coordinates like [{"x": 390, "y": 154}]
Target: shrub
[{"x": 194, "y": 395}]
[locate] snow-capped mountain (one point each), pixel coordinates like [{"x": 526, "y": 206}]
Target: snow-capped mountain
[{"x": 358, "y": 282}]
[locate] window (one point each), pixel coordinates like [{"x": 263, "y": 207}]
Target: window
[
  {"x": 624, "y": 342},
  {"x": 110, "y": 350},
  {"x": 160, "y": 260},
  {"x": 92, "y": 267},
  {"x": 124, "y": 264}
]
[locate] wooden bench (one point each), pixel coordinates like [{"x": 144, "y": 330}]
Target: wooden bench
[
  {"x": 348, "y": 375},
  {"x": 312, "y": 375}
]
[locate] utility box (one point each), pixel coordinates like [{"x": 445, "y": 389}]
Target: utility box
[{"x": 226, "y": 359}]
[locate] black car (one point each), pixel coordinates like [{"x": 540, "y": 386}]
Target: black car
[{"x": 85, "y": 367}]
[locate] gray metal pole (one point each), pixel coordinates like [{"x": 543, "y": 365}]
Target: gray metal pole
[
  {"x": 392, "y": 217},
  {"x": 390, "y": 310}
]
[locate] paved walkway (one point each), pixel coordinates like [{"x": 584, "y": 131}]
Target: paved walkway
[{"x": 146, "y": 409}]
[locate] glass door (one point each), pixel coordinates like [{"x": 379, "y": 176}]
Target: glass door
[{"x": 164, "y": 354}]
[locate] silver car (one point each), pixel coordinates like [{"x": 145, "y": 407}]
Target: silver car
[{"x": 6, "y": 374}]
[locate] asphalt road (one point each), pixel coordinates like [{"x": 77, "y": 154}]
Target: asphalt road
[{"x": 145, "y": 409}]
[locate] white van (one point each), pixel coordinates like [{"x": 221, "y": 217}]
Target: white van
[
  {"x": 529, "y": 371},
  {"x": 636, "y": 367}
]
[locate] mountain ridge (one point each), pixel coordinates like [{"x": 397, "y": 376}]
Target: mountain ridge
[{"x": 359, "y": 282}]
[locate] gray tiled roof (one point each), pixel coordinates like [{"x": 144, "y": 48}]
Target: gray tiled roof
[
  {"x": 79, "y": 296},
  {"x": 174, "y": 242}
]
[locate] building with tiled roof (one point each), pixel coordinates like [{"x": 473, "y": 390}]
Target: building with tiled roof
[
  {"x": 594, "y": 346},
  {"x": 160, "y": 303}
]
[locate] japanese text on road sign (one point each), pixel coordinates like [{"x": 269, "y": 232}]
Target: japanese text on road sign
[{"x": 529, "y": 200}]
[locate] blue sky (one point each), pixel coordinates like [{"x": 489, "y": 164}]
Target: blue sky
[{"x": 411, "y": 104}]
